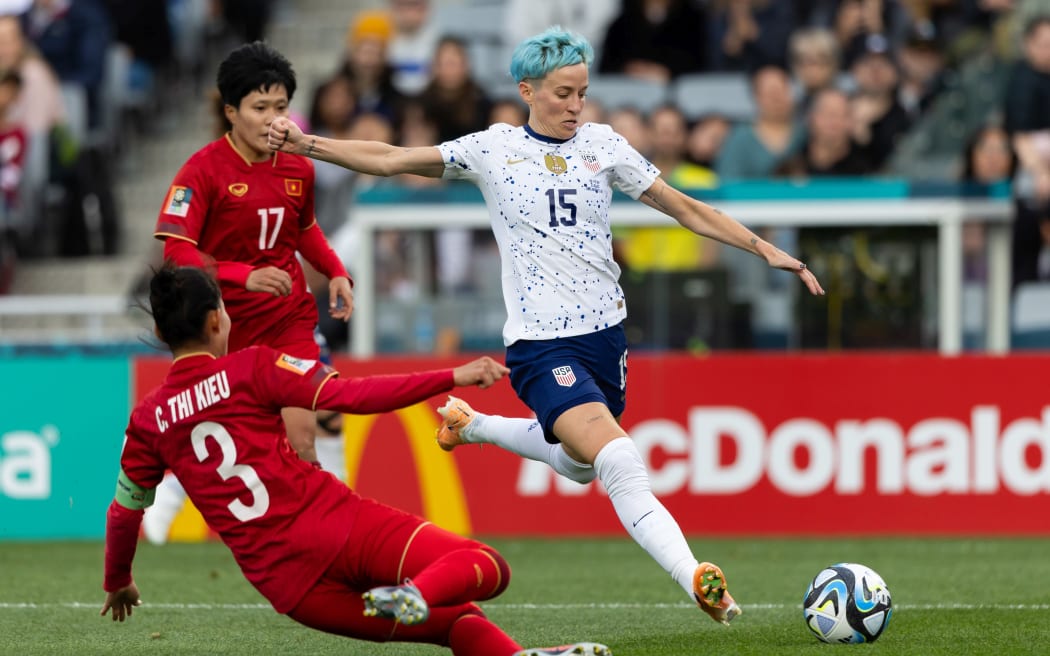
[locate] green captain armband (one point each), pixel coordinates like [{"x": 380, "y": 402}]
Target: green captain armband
[{"x": 131, "y": 495}]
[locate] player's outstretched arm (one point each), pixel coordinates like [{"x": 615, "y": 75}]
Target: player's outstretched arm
[
  {"x": 389, "y": 392},
  {"x": 369, "y": 157},
  {"x": 710, "y": 222},
  {"x": 482, "y": 372}
]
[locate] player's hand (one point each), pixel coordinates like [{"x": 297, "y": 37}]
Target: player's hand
[
  {"x": 121, "y": 602},
  {"x": 285, "y": 135},
  {"x": 339, "y": 290},
  {"x": 482, "y": 372},
  {"x": 781, "y": 260},
  {"x": 269, "y": 280}
]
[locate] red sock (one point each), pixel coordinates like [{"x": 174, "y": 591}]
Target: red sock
[
  {"x": 462, "y": 576},
  {"x": 475, "y": 635}
]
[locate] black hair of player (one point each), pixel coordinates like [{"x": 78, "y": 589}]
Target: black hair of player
[
  {"x": 252, "y": 67},
  {"x": 180, "y": 299}
]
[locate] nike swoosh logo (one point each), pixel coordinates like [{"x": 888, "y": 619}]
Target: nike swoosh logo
[
  {"x": 512, "y": 162},
  {"x": 641, "y": 518}
]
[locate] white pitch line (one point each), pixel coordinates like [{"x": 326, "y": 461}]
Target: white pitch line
[{"x": 502, "y": 606}]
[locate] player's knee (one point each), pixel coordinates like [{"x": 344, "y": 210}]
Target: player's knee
[
  {"x": 472, "y": 610},
  {"x": 503, "y": 580},
  {"x": 465, "y": 621},
  {"x": 620, "y": 467}
]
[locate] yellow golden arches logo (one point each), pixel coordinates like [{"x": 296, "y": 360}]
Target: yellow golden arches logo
[
  {"x": 555, "y": 164},
  {"x": 440, "y": 485},
  {"x": 444, "y": 501}
]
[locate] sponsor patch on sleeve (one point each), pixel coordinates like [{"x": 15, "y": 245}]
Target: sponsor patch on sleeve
[
  {"x": 178, "y": 203},
  {"x": 295, "y": 365}
]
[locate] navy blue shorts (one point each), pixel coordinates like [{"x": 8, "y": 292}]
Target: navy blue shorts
[{"x": 553, "y": 375}]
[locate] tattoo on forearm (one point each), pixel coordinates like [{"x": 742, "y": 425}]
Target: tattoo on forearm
[
  {"x": 310, "y": 148},
  {"x": 754, "y": 241},
  {"x": 651, "y": 196}
]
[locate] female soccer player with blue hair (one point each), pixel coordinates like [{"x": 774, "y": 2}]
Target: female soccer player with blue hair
[{"x": 548, "y": 186}]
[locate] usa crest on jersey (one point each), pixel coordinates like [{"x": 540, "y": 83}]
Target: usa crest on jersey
[
  {"x": 590, "y": 160},
  {"x": 564, "y": 376}
]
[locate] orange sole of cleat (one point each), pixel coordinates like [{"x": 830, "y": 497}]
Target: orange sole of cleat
[{"x": 709, "y": 589}]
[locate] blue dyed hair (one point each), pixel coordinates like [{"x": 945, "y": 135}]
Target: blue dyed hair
[{"x": 556, "y": 48}]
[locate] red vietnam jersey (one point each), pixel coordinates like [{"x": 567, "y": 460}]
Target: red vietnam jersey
[
  {"x": 234, "y": 210},
  {"x": 216, "y": 423}
]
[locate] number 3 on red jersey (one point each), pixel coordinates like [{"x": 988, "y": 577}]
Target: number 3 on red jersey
[{"x": 229, "y": 468}]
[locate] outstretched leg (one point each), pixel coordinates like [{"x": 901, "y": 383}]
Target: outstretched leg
[
  {"x": 622, "y": 472},
  {"x": 524, "y": 437},
  {"x": 621, "y": 469}
]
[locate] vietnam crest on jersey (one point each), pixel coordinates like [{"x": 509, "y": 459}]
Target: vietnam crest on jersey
[{"x": 293, "y": 186}]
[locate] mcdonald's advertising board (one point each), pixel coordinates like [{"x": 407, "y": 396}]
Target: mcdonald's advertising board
[{"x": 779, "y": 445}]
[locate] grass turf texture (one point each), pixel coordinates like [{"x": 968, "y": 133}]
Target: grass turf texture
[{"x": 951, "y": 596}]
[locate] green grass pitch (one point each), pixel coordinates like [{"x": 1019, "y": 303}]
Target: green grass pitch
[{"x": 951, "y": 596}]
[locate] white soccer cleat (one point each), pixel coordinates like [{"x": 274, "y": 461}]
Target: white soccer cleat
[
  {"x": 578, "y": 649},
  {"x": 401, "y": 603}
]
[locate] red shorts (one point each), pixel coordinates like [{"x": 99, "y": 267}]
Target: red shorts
[
  {"x": 296, "y": 338},
  {"x": 385, "y": 546}
]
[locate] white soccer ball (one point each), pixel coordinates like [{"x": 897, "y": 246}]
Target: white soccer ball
[{"x": 847, "y": 603}]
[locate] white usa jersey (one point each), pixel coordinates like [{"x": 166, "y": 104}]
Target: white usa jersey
[{"x": 548, "y": 203}]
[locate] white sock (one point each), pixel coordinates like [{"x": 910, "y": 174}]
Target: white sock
[
  {"x": 525, "y": 438},
  {"x": 621, "y": 470},
  {"x": 158, "y": 518}
]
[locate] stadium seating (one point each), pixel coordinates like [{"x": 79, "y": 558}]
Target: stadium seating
[
  {"x": 698, "y": 94},
  {"x": 616, "y": 91},
  {"x": 481, "y": 27},
  {"x": 973, "y": 96}
]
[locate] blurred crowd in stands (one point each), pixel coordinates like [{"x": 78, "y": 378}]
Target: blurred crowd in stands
[
  {"x": 72, "y": 74},
  {"x": 712, "y": 91}
]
